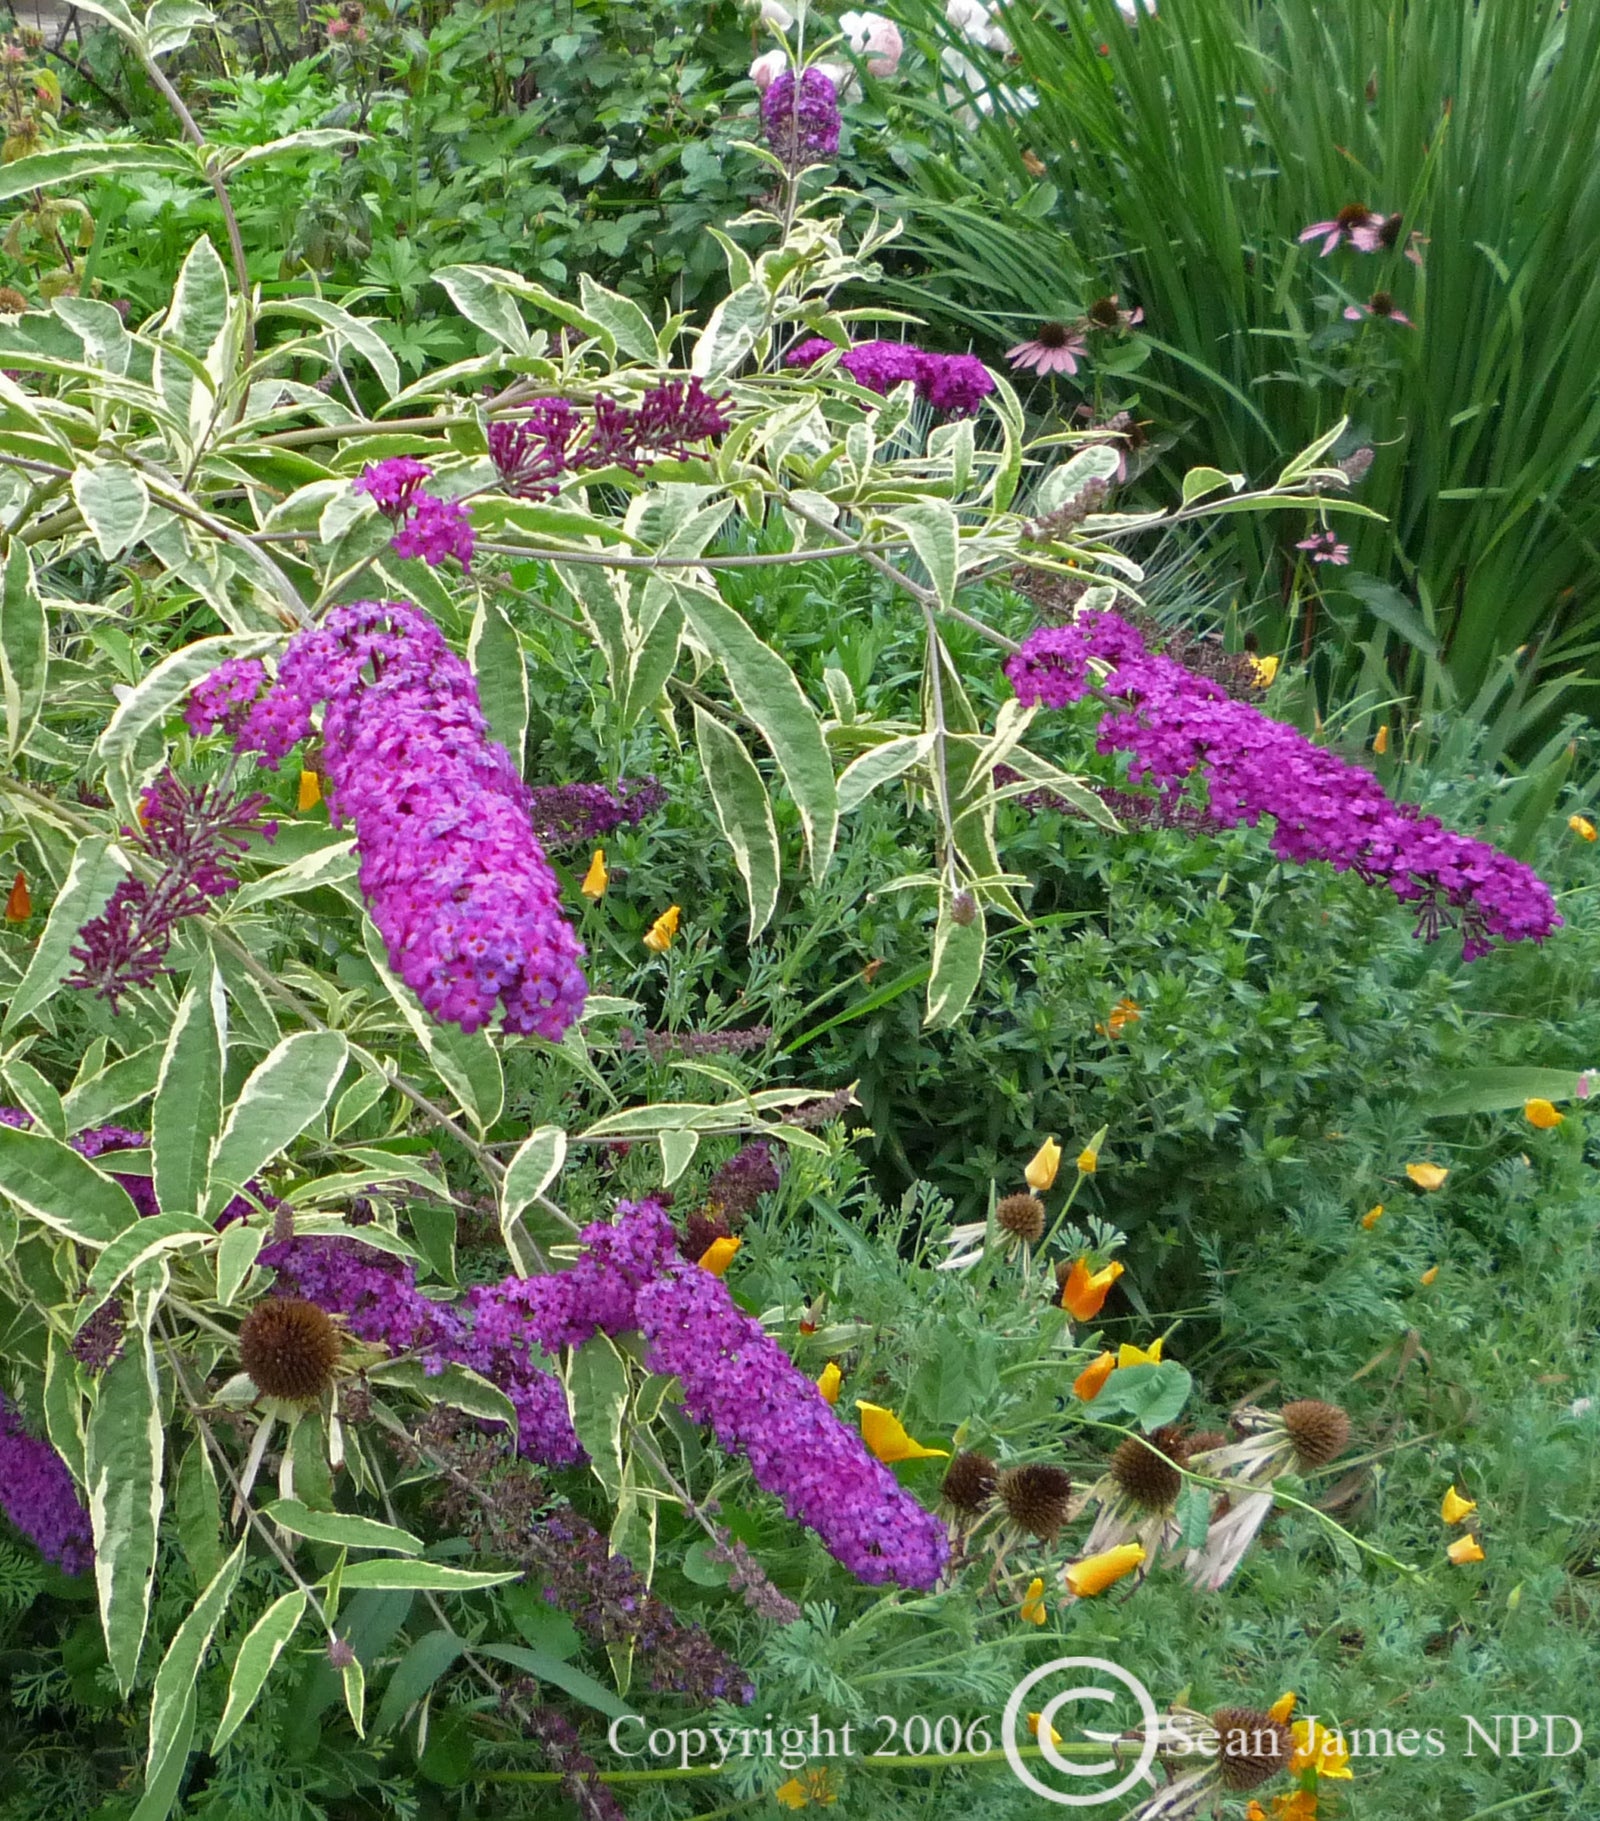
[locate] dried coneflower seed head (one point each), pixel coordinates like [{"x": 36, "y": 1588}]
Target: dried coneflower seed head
[
  {"x": 1320, "y": 1432},
  {"x": 1204, "y": 1440},
  {"x": 1023, "y": 1216},
  {"x": 1147, "y": 1470},
  {"x": 290, "y": 1348},
  {"x": 1252, "y": 1747},
  {"x": 969, "y": 1483},
  {"x": 1035, "y": 1498}
]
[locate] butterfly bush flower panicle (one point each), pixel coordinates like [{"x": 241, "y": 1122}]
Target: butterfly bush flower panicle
[
  {"x": 1177, "y": 726},
  {"x": 956, "y": 384},
  {"x": 38, "y": 1495},
  {"x": 392, "y": 485},
  {"x": 221, "y": 700},
  {"x": 800, "y": 117},
  {"x": 457, "y": 886},
  {"x": 435, "y": 530}
]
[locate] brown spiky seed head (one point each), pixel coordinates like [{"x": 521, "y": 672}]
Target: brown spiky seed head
[
  {"x": 1035, "y": 1497},
  {"x": 290, "y": 1348},
  {"x": 1204, "y": 1440},
  {"x": 1252, "y": 1747},
  {"x": 1147, "y": 1470},
  {"x": 969, "y": 1482},
  {"x": 1022, "y": 1216},
  {"x": 1320, "y": 1432}
]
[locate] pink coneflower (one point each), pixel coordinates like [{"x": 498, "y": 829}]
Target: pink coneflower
[
  {"x": 1104, "y": 313},
  {"x": 1055, "y": 348},
  {"x": 1355, "y": 225},
  {"x": 1380, "y": 305},
  {"x": 1324, "y": 547}
]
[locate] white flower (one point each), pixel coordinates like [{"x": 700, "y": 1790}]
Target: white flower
[
  {"x": 841, "y": 75},
  {"x": 976, "y": 93},
  {"x": 877, "y": 39},
  {"x": 976, "y": 24},
  {"x": 765, "y": 70},
  {"x": 1132, "y": 10},
  {"x": 776, "y": 14}
]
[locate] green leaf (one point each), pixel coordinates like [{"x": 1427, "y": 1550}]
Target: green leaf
[
  {"x": 630, "y": 328},
  {"x": 744, "y": 812},
  {"x": 237, "y": 1251},
  {"x": 1193, "y": 1514},
  {"x": 565, "y": 1676},
  {"x": 597, "y": 1392},
  {"x": 880, "y": 765},
  {"x": 935, "y": 537},
  {"x": 1198, "y": 482},
  {"x": 1153, "y": 1395},
  {"x": 677, "y": 1153},
  {"x": 24, "y": 647},
  {"x": 531, "y": 1171},
  {"x": 123, "y": 1451},
  {"x": 495, "y": 654},
  {"x": 188, "y": 1103},
  {"x": 766, "y": 690},
  {"x": 115, "y": 504},
  {"x": 467, "y": 1062},
  {"x": 353, "y": 1679},
  {"x": 92, "y": 1100},
  {"x": 284, "y": 1093},
  {"x": 330, "y": 865},
  {"x": 457, "y": 1386},
  {"x": 37, "y": 1096},
  {"x": 485, "y": 305},
  {"x": 197, "y": 1506},
  {"x": 172, "y": 1697},
  {"x": 347, "y": 331},
  {"x": 731, "y": 332},
  {"x": 340, "y": 1527},
  {"x": 161, "y": 1790},
  {"x": 1499, "y": 1090},
  {"x": 52, "y": 1183},
  {"x": 429, "y": 1657},
  {"x": 145, "y": 1239},
  {"x": 194, "y": 323},
  {"x": 1386, "y": 603},
  {"x": 71, "y": 164},
  {"x": 957, "y": 962},
  {"x": 262, "y": 1646},
  {"x": 94, "y": 874},
  {"x": 421, "y": 1577}
]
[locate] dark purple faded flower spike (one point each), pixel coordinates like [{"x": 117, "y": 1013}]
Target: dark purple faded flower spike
[
  {"x": 196, "y": 834},
  {"x": 800, "y": 117},
  {"x": 585, "y": 812}
]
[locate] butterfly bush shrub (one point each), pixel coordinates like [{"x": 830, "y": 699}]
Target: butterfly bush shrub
[{"x": 389, "y": 1244}]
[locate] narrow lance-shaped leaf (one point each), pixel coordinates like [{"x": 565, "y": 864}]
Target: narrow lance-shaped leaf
[
  {"x": 262, "y": 1646},
  {"x": 188, "y": 1104},
  {"x": 744, "y": 813},
  {"x": 55, "y": 1185},
  {"x": 283, "y": 1094},
  {"x": 123, "y": 1449},
  {"x": 115, "y": 504},
  {"x": 597, "y": 1391},
  {"x": 531, "y": 1171},
  {"x": 172, "y": 1701},
  {"x": 958, "y": 943},
  {"x": 24, "y": 646},
  {"x": 766, "y": 690},
  {"x": 93, "y": 876},
  {"x": 495, "y": 654}
]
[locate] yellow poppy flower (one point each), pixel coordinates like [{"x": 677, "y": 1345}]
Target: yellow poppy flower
[
  {"x": 1255, "y": 1812},
  {"x": 1128, "y": 1355},
  {"x": 1455, "y": 1507},
  {"x": 597, "y": 878},
  {"x": 1301, "y": 1806},
  {"x": 1091, "y": 1381},
  {"x": 310, "y": 793},
  {"x": 1033, "y": 1727},
  {"x": 885, "y": 1436},
  {"x": 1088, "y": 1162},
  {"x": 1372, "y": 1216},
  {"x": 816, "y": 1784},
  {"x": 1427, "y": 1176},
  {"x": 1541, "y": 1115},
  {"x": 1380, "y": 740},
  {"x": 1581, "y": 825},
  {"x": 1095, "y": 1573},
  {"x": 1465, "y": 1549},
  {"x": 658, "y": 938},
  {"x": 1041, "y": 1170},
  {"x": 19, "y": 905},
  {"x": 1282, "y": 1710},
  {"x": 828, "y": 1382},
  {"x": 1123, "y": 1013},
  {"x": 1263, "y": 670},
  {"x": 719, "y": 1254},
  {"x": 1429, "y": 1275},
  {"x": 1033, "y": 1608},
  {"x": 1315, "y": 1748},
  {"x": 1084, "y": 1293}
]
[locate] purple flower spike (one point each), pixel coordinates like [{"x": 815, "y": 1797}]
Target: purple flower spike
[
  {"x": 392, "y": 485},
  {"x": 436, "y": 529},
  {"x": 801, "y": 118},
  {"x": 1178, "y": 726},
  {"x": 38, "y": 1495},
  {"x": 456, "y": 883}
]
